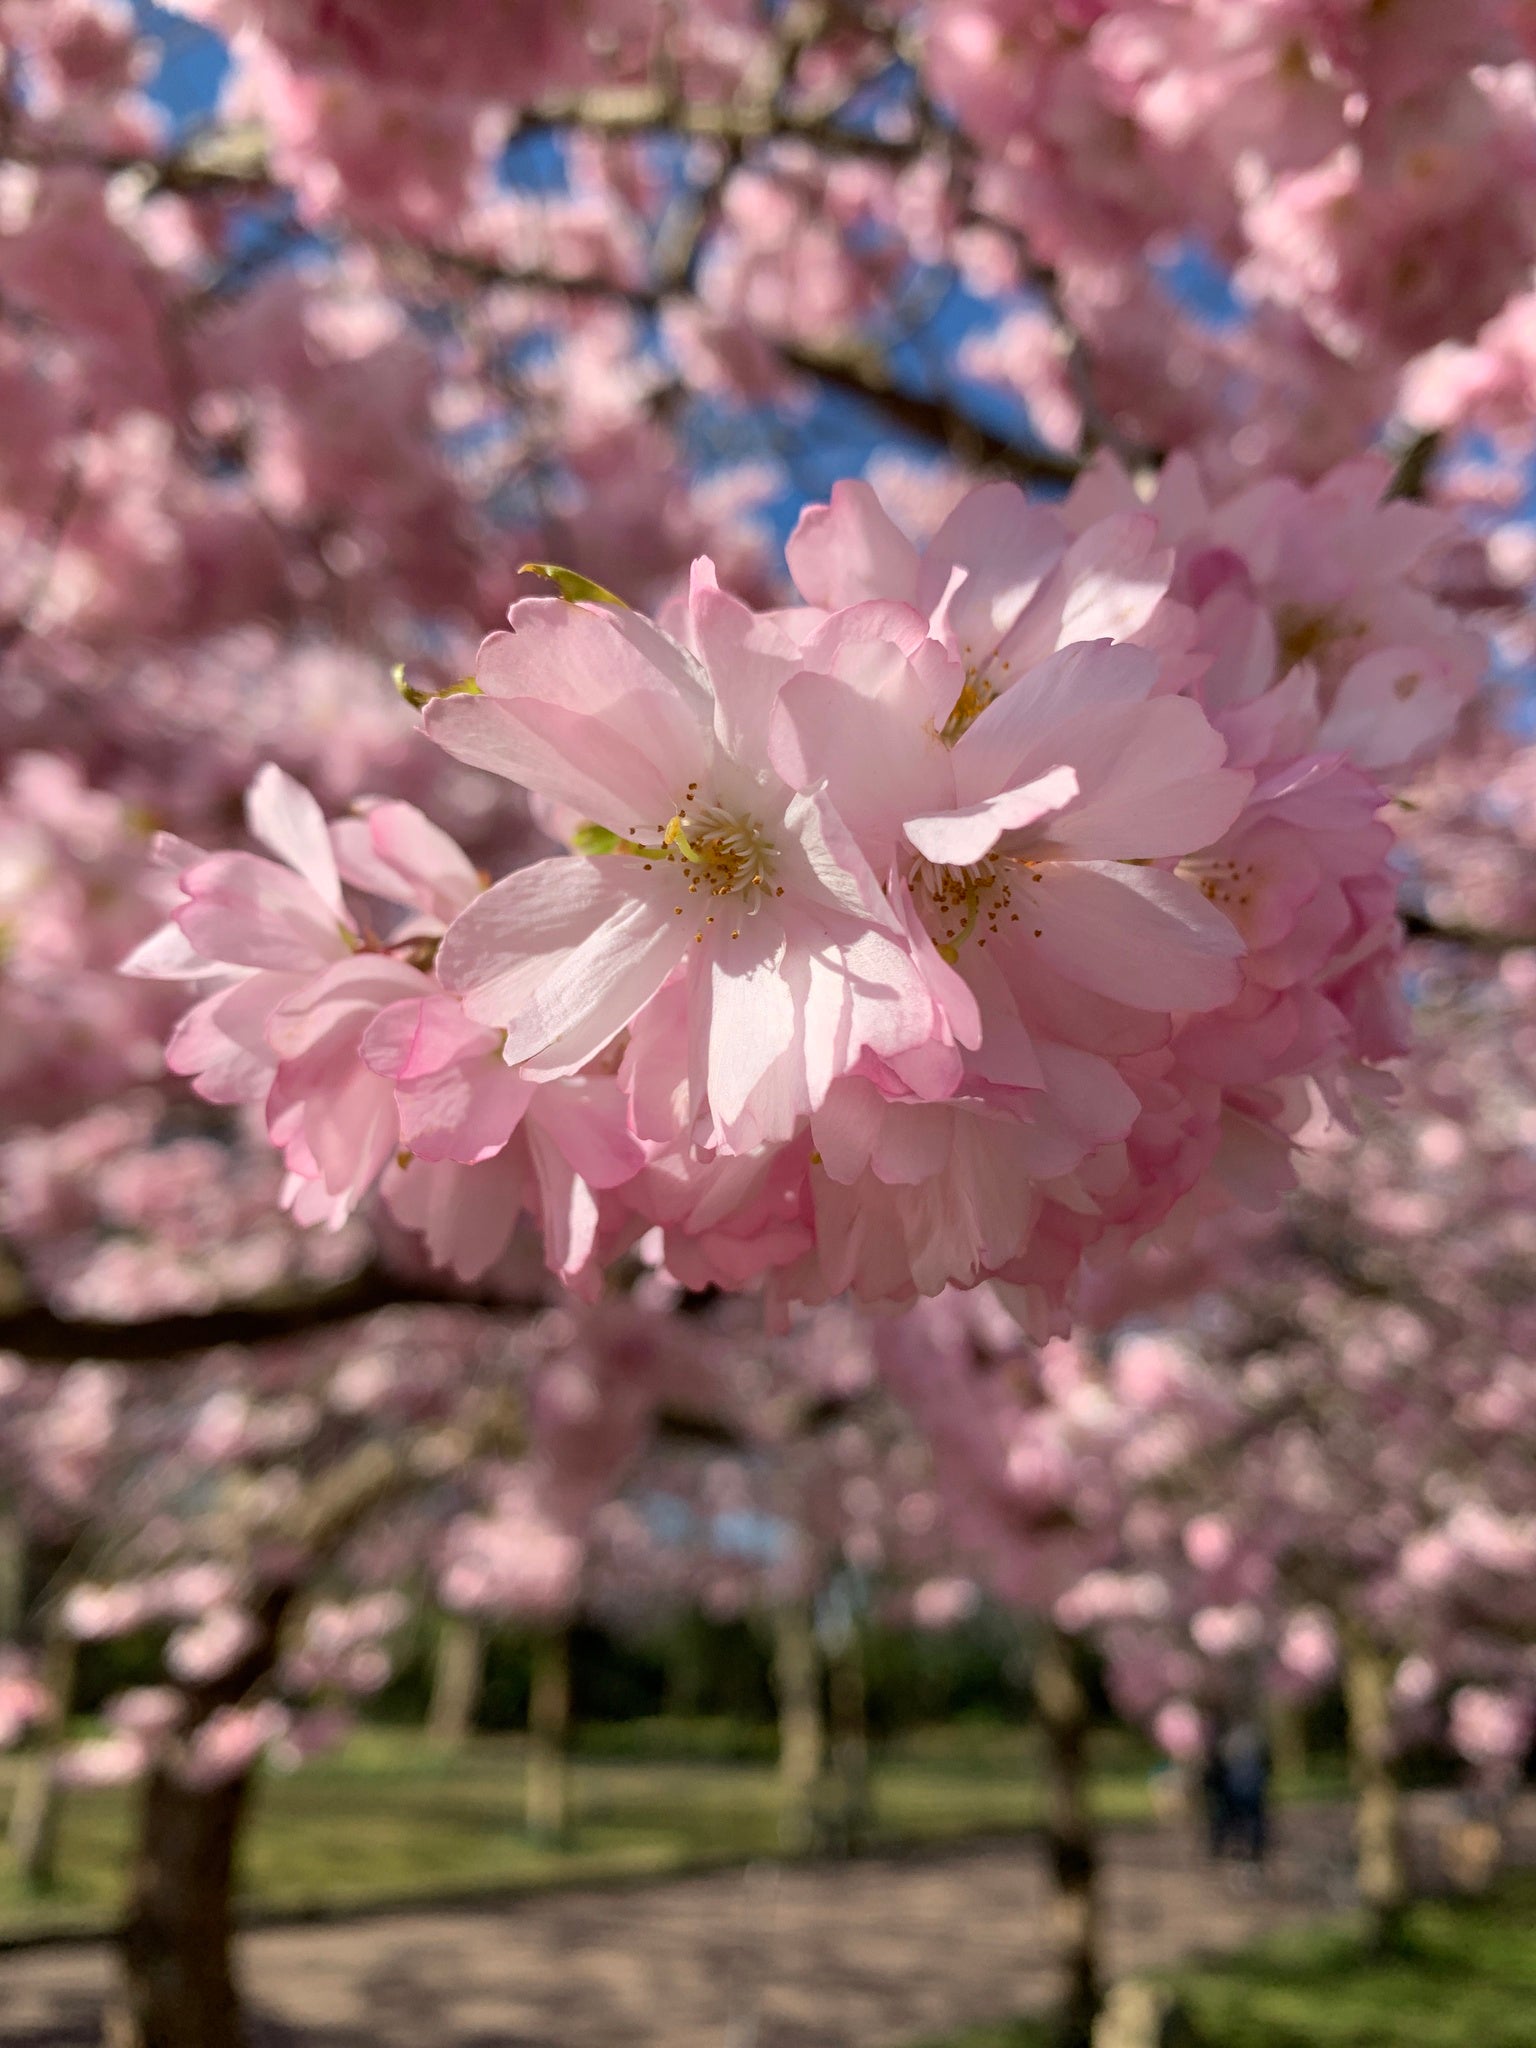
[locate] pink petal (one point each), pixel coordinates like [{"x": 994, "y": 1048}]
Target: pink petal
[
  {"x": 821, "y": 728},
  {"x": 456, "y": 1096},
  {"x": 568, "y": 1210},
  {"x": 849, "y": 550},
  {"x": 465, "y": 1214},
  {"x": 1390, "y": 707},
  {"x": 597, "y": 767},
  {"x": 1153, "y": 784},
  {"x": 1114, "y": 577},
  {"x": 562, "y": 954},
  {"x": 1135, "y": 934},
  {"x": 168, "y": 955},
  {"x": 1014, "y": 737},
  {"x": 221, "y": 1041},
  {"x": 253, "y": 913},
  {"x": 396, "y": 853},
  {"x": 960, "y": 838},
  {"x": 587, "y": 1119},
  {"x": 847, "y": 1126},
  {"x": 752, "y": 1026},
  {"x": 950, "y": 991},
  {"x": 914, "y": 1143},
  {"x": 588, "y": 706},
  {"x": 345, "y": 997},
  {"x": 166, "y": 850},
  {"x": 1003, "y": 1050},
  {"x": 890, "y": 1010},
  {"x": 984, "y": 566},
  {"x": 748, "y": 657},
  {"x": 822, "y": 864},
  {"x": 285, "y": 818}
]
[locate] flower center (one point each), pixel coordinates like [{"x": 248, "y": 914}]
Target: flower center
[
  {"x": 959, "y": 899},
  {"x": 1304, "y": 633},
  {"x": 1228, "y": 884},
  {"x": 973, "y": 699},
  {"x": 728, "y": 854}
]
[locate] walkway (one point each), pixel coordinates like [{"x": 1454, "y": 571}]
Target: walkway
[{"x": 876, "y": 1953}]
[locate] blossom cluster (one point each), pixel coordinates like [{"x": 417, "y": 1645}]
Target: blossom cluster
[{"x": 952, "y": 925}]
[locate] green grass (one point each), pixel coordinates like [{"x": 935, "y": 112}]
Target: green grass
[
  {"x": 1466, "y": 1978},
  {"x": 387, "y": 1818}
]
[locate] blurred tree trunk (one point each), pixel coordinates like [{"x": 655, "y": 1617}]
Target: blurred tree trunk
[
  {"x": 1381, "y": 1870},
  {"x": 685, "y": 1671},
  {"x": 847, "y": 1705},
  {"x": 802, "y": 1730},
  {"x": 1061, "y": 1699},
  {"x": 547, "y": 1786},
  {"x": 13, "y": 1578},
  {"x": 1288, "y": 1744},
  {"x": 176, "y": 1982},
  {"x": 457, "y": 1675},
  {"x": 178, "y": 1987},
  {"x": 33, "y": 1831}
]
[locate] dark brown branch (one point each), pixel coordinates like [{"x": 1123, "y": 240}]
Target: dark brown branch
[
  {"x": 232, "y": 164},
  {"x": 44, "y": 1337},
  {"x": 861, "y": 376},
  {"x": 854, "y": 372},
  {"x": 648, "y": 110},
  {"x": 1410, "y": 474},
  {"x": 1476, "y": 938}
]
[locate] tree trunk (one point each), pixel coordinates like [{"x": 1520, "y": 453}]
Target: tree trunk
[
  {"x": 176, "y": 1982},
  {"x": 847, "y": 1711},
  {"x": 178, "y": 1986},
  {"x": 33, "y": 1831},
  {"x": 802, "y": 1730},
  {"x": 456, "y": 1681},
  {"x": 1061, "y": 1699},
  {"x": 13, "y": 1579},
  {"x": 1288, "y": 1745},
  {"x": 547, "y": 1786},
  {"x": 1381, "y": 1871}
]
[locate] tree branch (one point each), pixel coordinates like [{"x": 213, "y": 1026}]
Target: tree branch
[
  {"x": 1476, "y": 938},
  {"x": 860, "y": 375},
  {"x": 43, "y": 1337},
  {"x": 232, "y": 163}
]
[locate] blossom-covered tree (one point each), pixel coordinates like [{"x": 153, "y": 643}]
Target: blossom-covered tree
[
  {"x": 1340, "y": 1481},
  {"x": 1008, "y": 887},
  {"x": 308, "y": 293}
]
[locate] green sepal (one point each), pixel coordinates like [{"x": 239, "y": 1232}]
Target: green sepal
[
  {"x": 572, "y": 585},
  {"x": 417, "y": 699},
  {"x": 466, "y": 686}
]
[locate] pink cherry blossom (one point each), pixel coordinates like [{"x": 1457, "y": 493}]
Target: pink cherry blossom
[{"x": 748, "y": 888}]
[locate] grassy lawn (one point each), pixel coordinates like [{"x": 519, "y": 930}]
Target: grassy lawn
[
  {"x": 387, "y": 1818},
  {"x": 1467, "y": 1980}
]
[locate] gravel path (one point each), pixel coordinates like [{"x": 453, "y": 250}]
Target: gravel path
[{"x": 876, "y": 1953}]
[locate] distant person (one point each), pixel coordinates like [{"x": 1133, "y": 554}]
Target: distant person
[
  {"x": 1213, "y": 1788},
  {"x": 1247, "y": 1767}
]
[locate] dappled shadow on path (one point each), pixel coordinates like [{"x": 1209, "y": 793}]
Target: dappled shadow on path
[{"x": 869, "y": 1954}]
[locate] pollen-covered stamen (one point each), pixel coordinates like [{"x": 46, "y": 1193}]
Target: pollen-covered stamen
[
  {"x": 1229, "y": 884},
  {"x": 968, "y": 707},
  {"x": 1304, "y": 632},
  {"x": 959, "y": 900},
  {"x": 727, "y": 854}
]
